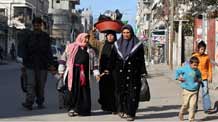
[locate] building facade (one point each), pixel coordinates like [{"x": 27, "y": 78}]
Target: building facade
[
  {"x": 20, "y": 14},
  {"x": 86, "y": 19},
  {"x": 3, "y": 32},
  {"x": 62, "y": 13}
]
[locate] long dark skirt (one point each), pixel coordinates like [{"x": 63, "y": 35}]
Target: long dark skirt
[
  {"x": 127, "y": 96},
  {"x": 107, "y": 94},
  {"x": 79, "y": 98}
]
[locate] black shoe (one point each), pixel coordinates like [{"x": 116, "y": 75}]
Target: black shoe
[
  {"x": 27, "y": 106},
  {"x": 210, "y": 111},
  {"x": 130, "y": 118},
  {"x": 114, "y": 113},
  {"x": 60, "y": 107},
  {"x": 40, "y": 106}
]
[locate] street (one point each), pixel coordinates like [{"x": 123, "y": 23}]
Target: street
[{"x": 164, "y": 104}]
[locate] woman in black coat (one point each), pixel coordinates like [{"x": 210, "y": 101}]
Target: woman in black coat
[
  {"x": 106, "y": 82},
  {"x": 127, "y": 66}
]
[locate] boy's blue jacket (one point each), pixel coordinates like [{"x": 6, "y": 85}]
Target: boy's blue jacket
[{"x": 190, "y": 76}]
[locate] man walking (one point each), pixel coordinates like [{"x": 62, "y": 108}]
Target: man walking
[{"x": 37, "y": 59}]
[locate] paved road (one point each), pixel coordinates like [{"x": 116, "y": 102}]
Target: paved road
[{"x": 164, "y": 105}]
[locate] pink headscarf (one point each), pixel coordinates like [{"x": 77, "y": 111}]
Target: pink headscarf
[{"x": 71, "y": 51}]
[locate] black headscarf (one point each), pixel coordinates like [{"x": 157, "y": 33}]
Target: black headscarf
[
  {"x": 125, "y": 46},
  {"x": 108, "y": 45}
]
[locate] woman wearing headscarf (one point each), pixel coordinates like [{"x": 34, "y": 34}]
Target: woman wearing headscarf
[
  {"x": 106, "y": 82},
  {"x": 127, "y": 66},
  {"x": 77, "y": 76}
]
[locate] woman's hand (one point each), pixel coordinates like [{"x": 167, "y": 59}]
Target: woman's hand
[
  {"x": 106, "y": 72},
  {"x": 98, "y": 77},
  {"x": 94, "y": 29}
]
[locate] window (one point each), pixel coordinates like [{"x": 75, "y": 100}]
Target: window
[
  {"x": 2, "y": 11},
  {"x": 148, "y": 17},
  {"x": 23, "y": 14}
]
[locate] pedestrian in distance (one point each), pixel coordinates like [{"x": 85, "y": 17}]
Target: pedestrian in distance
[
  {"x": 205, "y": 68},
  {"x": 1, "y": 54},
  {"x": 106, "y": 82},
  {"x": 13, "y": 51},
  {"x": 75, "y": 63},
  {"x": 127, "y": 66},
  {"x": 190, "y": 80},
  {"x": 37, "y": 60}
]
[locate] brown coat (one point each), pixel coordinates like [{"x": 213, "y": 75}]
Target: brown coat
[{"x": 96, "y": 43}]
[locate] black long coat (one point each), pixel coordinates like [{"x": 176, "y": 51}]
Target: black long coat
[{"x": 127, "y": 73}]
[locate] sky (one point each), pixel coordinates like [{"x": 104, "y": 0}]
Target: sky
[{"x": 127, "y": 7}]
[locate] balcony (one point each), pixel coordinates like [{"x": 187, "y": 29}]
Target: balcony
[
  {"x": 75, "y": 1},
  {"x": 22, "y": 17}
]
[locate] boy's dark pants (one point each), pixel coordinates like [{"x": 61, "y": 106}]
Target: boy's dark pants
[
  {"x": 61, "y": 99},
  {"x": 36, "y": 80}
]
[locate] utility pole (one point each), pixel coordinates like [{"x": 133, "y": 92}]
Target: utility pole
[
  {"x": 179, "y": 43},
  {"x": 150, "y": 35},
  {"x": 149, "y": 42},
  {"x": 171, "y": 34}
]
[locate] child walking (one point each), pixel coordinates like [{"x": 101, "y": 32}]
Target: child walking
[
  {"x": 190, "y": 78},
  {"x": 205, "y": 68},
  {"x": 60, "y": 86}
]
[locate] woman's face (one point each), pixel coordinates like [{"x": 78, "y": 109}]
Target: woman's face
[
  {"x": 85, "y": 40},
  {"x": 126, "y": 34},
  {"x": 110, "y": 38}
]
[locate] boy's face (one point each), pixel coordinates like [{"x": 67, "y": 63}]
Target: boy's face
[
  {"x": 37, "y": 26},
  {"x": 194, "y": 65},
  {"x": 201, "y": 50}
]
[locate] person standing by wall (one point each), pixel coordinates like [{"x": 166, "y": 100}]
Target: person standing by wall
[
  {"x": 1, "y": 54},
  {"x": 37, "y": 59},
  {"x": 13, "y": 51}
]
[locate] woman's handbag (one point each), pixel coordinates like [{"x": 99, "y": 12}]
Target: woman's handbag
[{"x": 145, "y": 91}]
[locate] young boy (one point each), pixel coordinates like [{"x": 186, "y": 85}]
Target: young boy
[
  {"x": 61, "y": 87},
  {"x": 205, "y": 68},
  {"x": 190, "y": 78}
]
